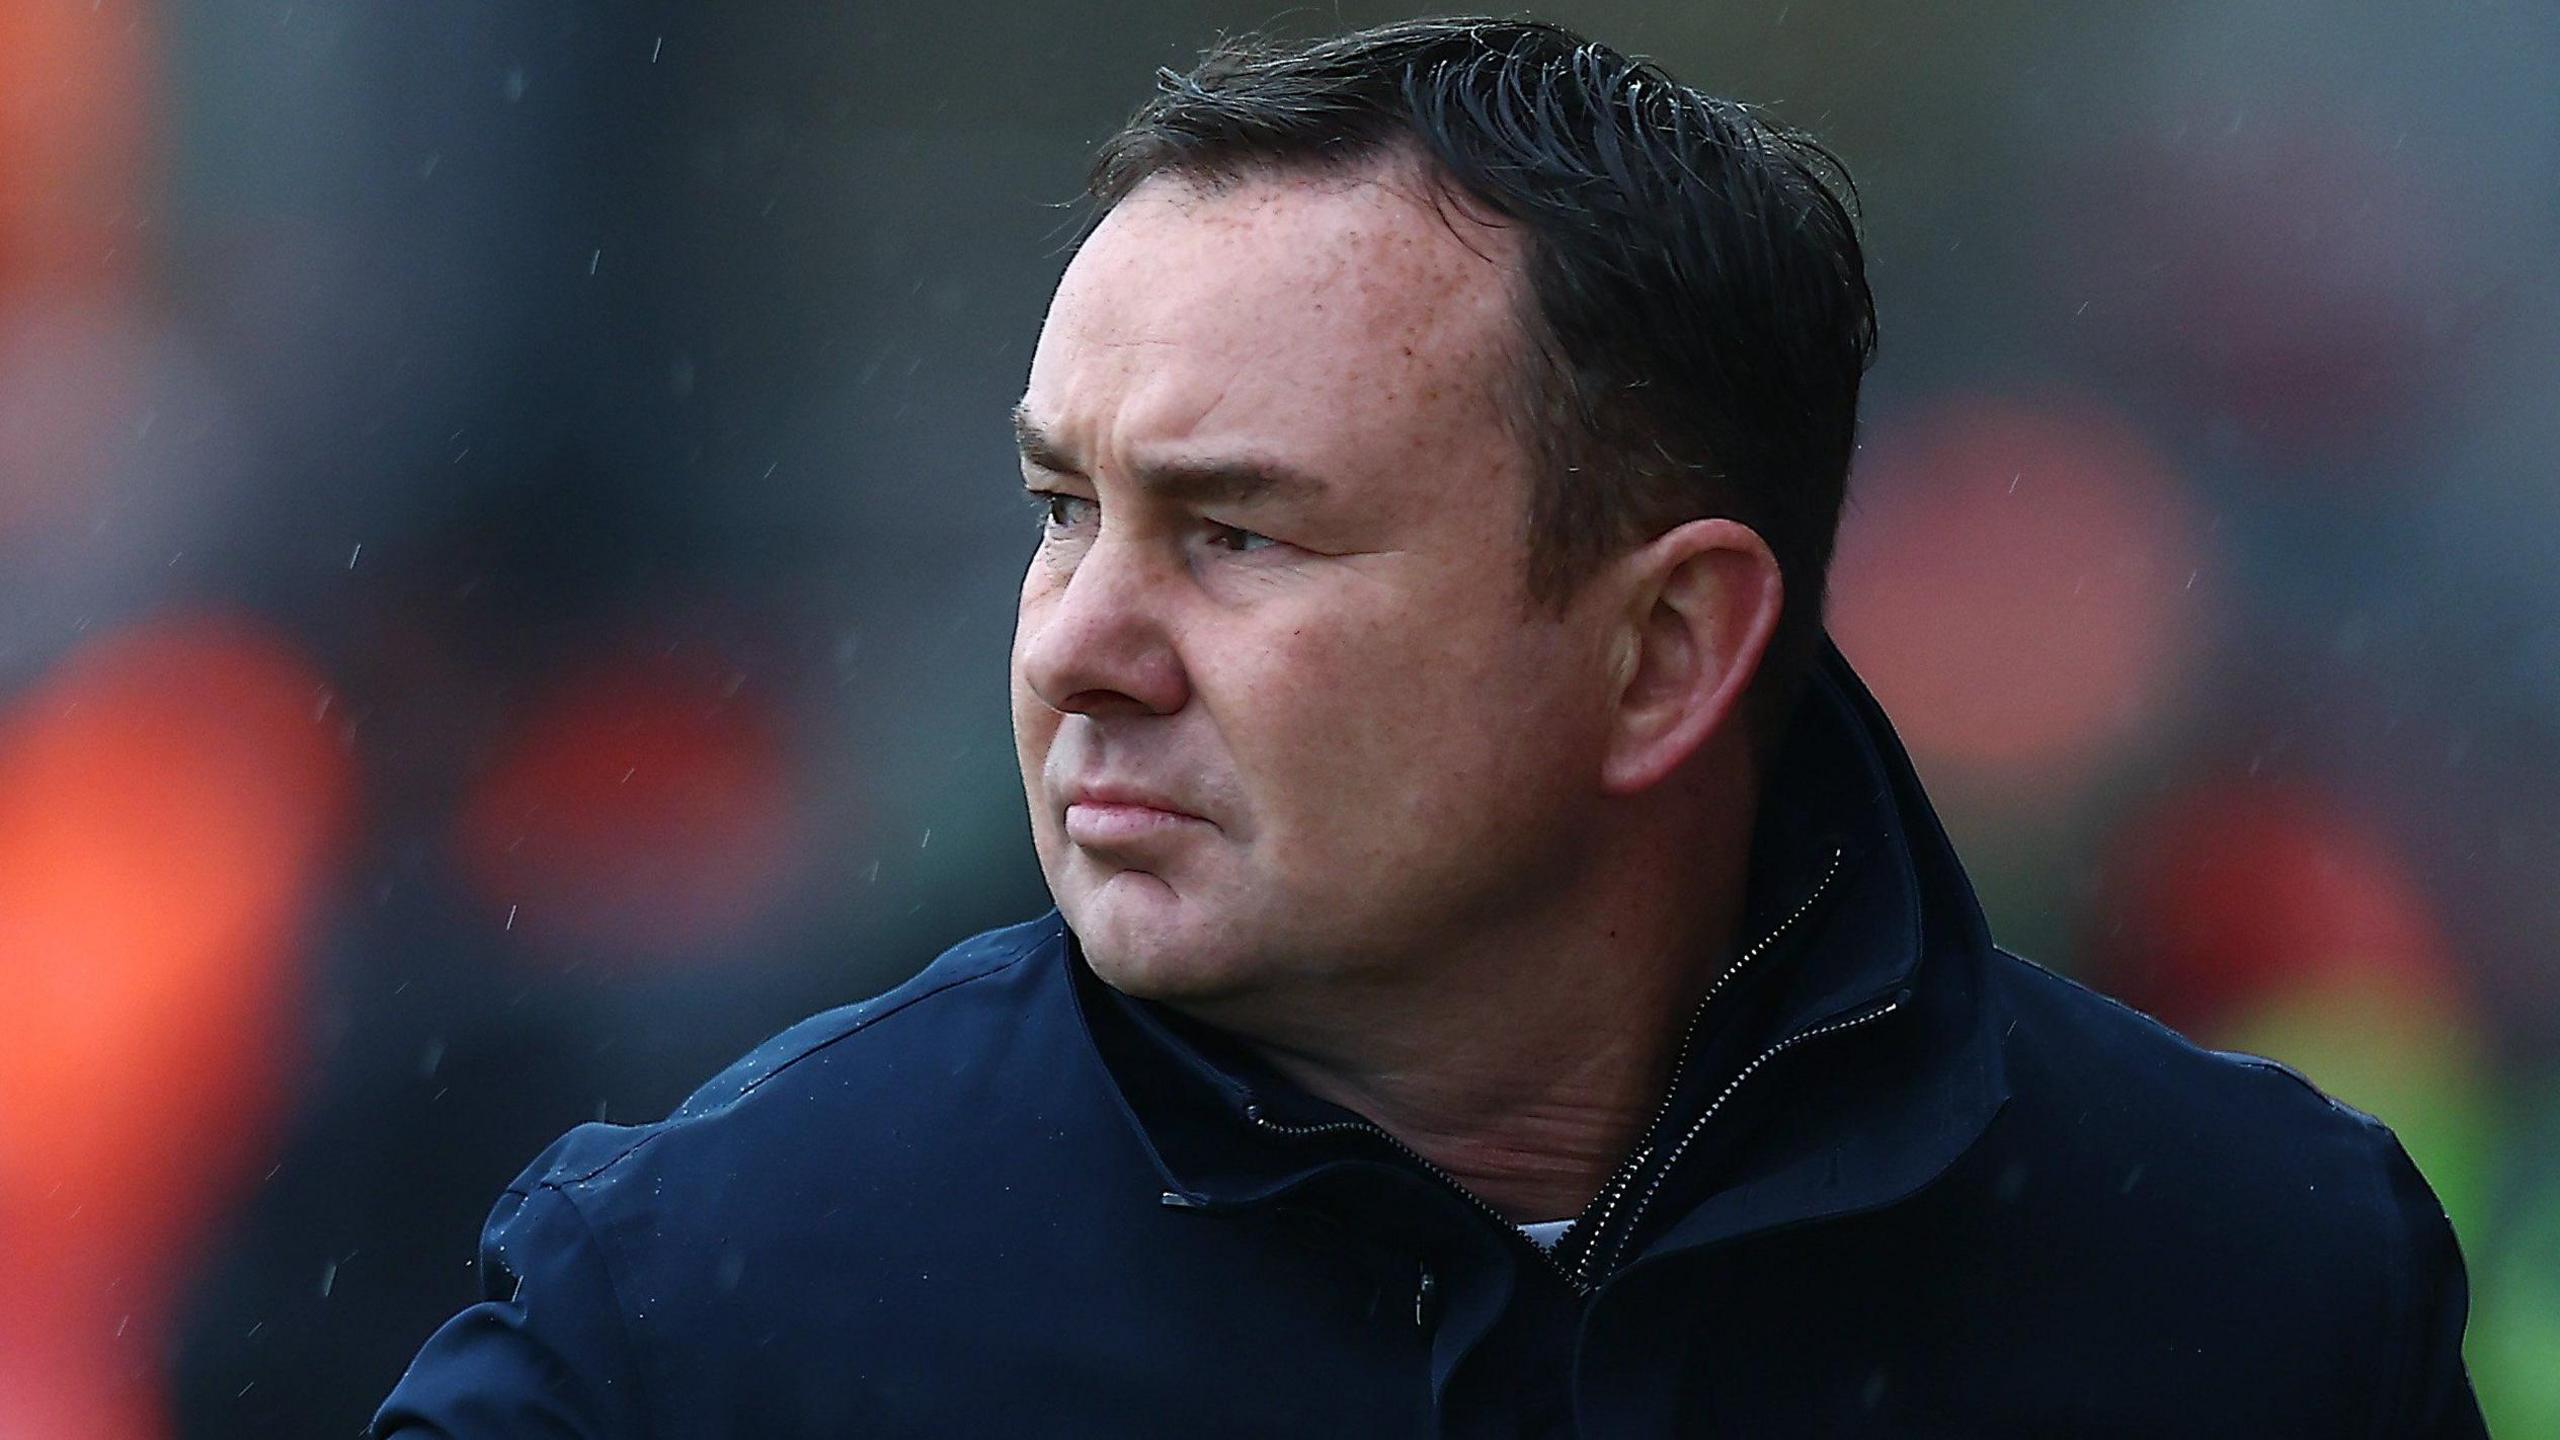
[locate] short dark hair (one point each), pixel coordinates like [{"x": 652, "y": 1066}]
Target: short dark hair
[{"x": 1699, "y": 317}]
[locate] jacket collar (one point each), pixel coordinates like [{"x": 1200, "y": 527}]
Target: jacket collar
[
  {"x": 1897, "y": 927},
  {"x": 1842, "y": 780},
  {"x": 1884, "y": 1109}
]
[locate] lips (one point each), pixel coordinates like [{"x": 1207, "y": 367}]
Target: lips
[
  {"x": 1124, "y": 797},
  {"x": 1106, "y": 815}
]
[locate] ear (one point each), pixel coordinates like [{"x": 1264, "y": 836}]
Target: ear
[{"x": 1702, "y": 602}]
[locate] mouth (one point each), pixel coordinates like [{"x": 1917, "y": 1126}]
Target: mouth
[{"x": 1101, "y": 816}]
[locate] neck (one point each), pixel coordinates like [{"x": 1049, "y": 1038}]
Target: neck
[
  {"x": 1534, "y": 1140},
  {"x": 1527, "y": 1066}
]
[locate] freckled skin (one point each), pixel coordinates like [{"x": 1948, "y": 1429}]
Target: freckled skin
[{"x": 1395, "y": 755}]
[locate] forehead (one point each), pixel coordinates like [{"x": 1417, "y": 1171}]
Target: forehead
[{"x": 1345, "y": 322}]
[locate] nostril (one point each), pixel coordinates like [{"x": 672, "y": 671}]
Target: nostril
[{"x": 1096, "y": 702}]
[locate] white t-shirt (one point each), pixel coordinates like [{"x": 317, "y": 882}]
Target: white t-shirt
[{"x": 1545, "y": 1233}]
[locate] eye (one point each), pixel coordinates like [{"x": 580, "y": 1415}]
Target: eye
[
  {"x": 1237, "y": 539},
  {"x": 1060, "y": 512}
]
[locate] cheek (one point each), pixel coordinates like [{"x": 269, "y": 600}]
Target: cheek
[
  {"x": 1029, "y": 614},
  {"x": 1033, "y": 721},
  {"x": 1035, "y": 731},
  {"x": 1412, "y": 727}
]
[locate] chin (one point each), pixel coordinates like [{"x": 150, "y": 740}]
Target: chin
[
  {"x": 1169, "y": 979},
  {"x": 1146, "y": 941},
  {"x": 1154, "y": 966}
]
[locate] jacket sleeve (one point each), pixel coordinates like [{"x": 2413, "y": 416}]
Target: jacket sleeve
[
  {"x": 544, "y": 1353},
  {"x": 2434, "y": 1390}
]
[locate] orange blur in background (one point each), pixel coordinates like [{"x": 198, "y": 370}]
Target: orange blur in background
[{"x": 172, "y": 799}]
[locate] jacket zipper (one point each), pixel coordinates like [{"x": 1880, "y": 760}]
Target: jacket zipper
[
  {"x": 1577, "y": 1278},
  {"x": 1663, "y": 1172},
  {"x": 1362, "y": 1127},
  {"x": 1615, "y": 1191}
]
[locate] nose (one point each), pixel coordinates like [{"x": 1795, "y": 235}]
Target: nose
[{"x": 1099, "y": 641}]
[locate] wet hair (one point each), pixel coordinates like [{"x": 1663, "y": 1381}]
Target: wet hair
[{"x": 1696, "y": 315}]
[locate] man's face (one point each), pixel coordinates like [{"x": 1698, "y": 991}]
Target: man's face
[{"x": 1284, "y": 714}]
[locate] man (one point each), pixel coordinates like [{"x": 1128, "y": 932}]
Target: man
[{"x": 1506, "y": 978}]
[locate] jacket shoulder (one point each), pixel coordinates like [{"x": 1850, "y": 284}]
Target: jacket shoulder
[
  {"x": 2234, "y": 1177},
  {"x": 2119, "y": 1104},
  {"x": 978, "y": 958},
  {"x": 932, "y": 1009},
  {"x": 2075, "y": 1042}
]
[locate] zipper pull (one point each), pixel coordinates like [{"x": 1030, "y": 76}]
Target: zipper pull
[{"x": 1426, "y": 1297}]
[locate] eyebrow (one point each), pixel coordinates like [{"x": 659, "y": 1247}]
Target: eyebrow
[{"x": 1230, "y": 481}]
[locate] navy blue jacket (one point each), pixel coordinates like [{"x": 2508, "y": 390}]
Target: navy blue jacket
[{"x": 1904, "y": 1184}]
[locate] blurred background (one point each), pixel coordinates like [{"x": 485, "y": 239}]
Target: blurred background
[{"x": 508, "y": 544}]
